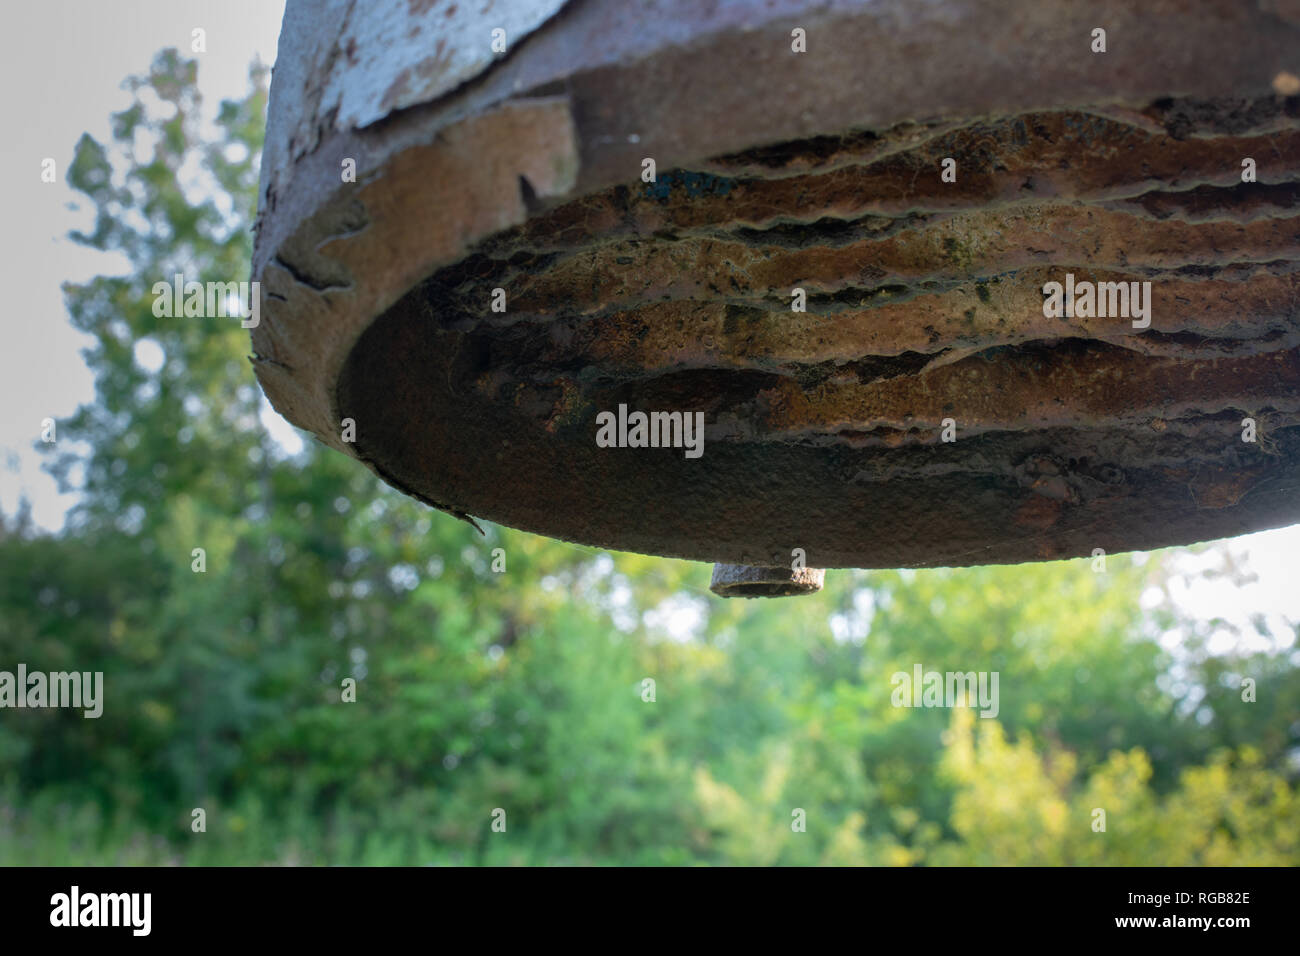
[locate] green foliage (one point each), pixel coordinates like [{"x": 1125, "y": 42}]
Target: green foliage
[{"x": 523, "y": 690}]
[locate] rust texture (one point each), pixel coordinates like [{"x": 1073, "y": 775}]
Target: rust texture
[{"x": 924, "y": 304}]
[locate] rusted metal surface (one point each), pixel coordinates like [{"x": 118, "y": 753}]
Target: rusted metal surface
[{"x": 824, "y": 429}]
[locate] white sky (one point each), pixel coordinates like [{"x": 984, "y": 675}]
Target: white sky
[{"x": 62, "y": 63}]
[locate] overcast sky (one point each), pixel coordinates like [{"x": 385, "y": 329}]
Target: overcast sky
[{"x": 62, "y": 65}]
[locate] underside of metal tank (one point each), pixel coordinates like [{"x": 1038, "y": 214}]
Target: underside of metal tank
[{"x": 839, "y": 261}]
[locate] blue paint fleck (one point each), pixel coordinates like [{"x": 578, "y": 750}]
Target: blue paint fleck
[{"x": 691, "y": 183}]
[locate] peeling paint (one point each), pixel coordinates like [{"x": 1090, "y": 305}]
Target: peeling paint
[{"x": 407, "y": 52}]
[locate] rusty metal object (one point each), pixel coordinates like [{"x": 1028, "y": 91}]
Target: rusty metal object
[
  {"x": 824, "y": 429},
  {"x": 739, "y": 580}
]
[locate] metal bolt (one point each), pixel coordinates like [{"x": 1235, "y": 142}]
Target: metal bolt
[{"x": 750, "y": 581}]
